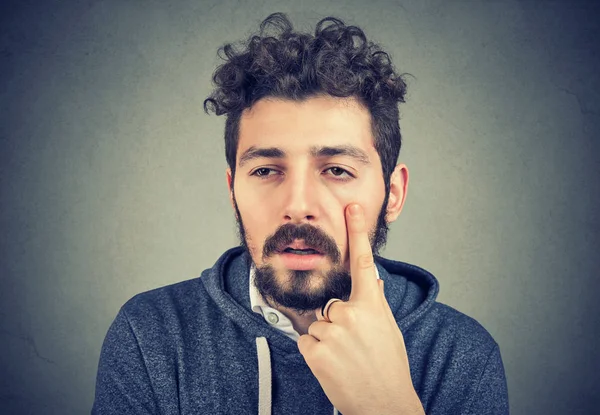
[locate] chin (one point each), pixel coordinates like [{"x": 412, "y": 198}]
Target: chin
[{"x": 302, "y": 289}]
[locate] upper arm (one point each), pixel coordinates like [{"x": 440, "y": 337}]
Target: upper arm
[
  {"x": 491, "y": 395},
  {"x": 123, "y": 385}
]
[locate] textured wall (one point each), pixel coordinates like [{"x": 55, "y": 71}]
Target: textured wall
[{"x": 112, "y": 179}]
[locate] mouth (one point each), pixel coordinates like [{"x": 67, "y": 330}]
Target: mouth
[
  {"x": 308, "y": 251},
  {"x": 298, "y": 247},
  {"x": 299, "y": 256}
]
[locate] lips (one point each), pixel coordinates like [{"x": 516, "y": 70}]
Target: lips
[{"x": 300, "y": 256}]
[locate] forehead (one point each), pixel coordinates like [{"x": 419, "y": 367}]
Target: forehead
[{"x": 297, "y": 126}]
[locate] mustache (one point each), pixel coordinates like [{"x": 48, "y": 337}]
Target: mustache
[{"x": 312, "y": 236}]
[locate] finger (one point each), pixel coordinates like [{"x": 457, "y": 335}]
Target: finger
[
  {"x": 362, "y": 265},
  {"x": 386, "y": 306},
  {"x": 326, "y": 311},
  {"x": 306, "y": 344},
  {"x": 394, "y": 323},
  {"x": 319, "y": 329},
  {"x": 319, "y": 314},
  {"x": 384, "y": 301}
]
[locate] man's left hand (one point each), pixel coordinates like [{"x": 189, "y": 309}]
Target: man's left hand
[{"x": 359, "y": 356}]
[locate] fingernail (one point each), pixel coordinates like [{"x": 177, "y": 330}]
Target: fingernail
[{"x": 354, "y": 210}]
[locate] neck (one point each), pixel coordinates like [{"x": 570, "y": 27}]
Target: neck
[{"x": 300, "y": 322}]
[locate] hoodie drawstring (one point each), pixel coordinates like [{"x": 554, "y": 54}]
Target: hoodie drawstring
[{"x": 264, "y": 377}]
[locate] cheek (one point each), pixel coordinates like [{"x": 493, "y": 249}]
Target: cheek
[
  {"x": 257, "y": 215},
  {"x": 370, "y": 197}
]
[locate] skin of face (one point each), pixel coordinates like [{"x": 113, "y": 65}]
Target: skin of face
[{"x": 302, "y": 186}]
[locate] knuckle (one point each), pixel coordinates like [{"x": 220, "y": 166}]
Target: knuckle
[
  {"x": 305, "y": 346},
  {"x": 365, "y": 261},
  {"x": 335, "y": 334},
  {"x": 351, "y": 316}
]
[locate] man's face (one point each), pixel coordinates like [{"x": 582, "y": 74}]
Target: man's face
[{"x": 298, "y": 166}]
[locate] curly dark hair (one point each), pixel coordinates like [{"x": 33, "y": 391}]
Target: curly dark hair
[{"x": 338, "y": 60}]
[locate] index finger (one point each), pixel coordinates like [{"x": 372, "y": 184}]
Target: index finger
[{"x": 362, "y": 265}]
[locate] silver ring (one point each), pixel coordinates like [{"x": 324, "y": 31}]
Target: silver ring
[{"x": 325, "y": 309}]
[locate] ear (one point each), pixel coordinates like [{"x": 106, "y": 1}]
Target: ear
[
  {"x": 398, "y": 189},
  {"x": 230, "y": 187}
]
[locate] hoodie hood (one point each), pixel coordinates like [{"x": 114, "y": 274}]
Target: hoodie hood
[{"x": 409, "y": 290}]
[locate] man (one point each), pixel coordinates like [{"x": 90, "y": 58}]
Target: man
[{"x": 304, "y": 317}]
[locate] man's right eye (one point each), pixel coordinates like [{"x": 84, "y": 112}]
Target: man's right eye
[{"x": 263, "y": 172}]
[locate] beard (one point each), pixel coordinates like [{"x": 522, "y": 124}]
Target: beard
[{"x": 306, "y": 291}]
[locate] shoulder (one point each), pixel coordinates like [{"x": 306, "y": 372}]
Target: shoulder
[
  {"x": 161, "y": 306},
  {"x": 450, "y": 354},
  {"x": 460, "y": 327},
  {"x": 469, "y": 359},
  {"x": 444, "y": 334}
]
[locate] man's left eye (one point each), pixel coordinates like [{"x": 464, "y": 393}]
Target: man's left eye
[{"x": 338, "y": 171}]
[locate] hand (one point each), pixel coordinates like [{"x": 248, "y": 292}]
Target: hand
[{"x": 359, "y": 357}]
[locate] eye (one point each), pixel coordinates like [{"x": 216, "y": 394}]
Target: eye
[
  {"x": 339, "y": 172},
  {"x": 262, "y": 172}
]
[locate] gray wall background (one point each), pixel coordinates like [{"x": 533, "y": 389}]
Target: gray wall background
[{"x": 113, "y": 179}]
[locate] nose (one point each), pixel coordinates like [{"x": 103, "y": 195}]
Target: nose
[{"x": 300, "y": 198}]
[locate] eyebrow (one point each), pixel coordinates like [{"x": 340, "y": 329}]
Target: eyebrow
[{"x": 315, "y": 151}]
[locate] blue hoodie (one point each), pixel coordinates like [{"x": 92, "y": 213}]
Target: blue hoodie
[{"x": 196, "y": 347}]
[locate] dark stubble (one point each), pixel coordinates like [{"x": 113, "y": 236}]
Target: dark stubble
[{"x": 295, "y": 291}]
